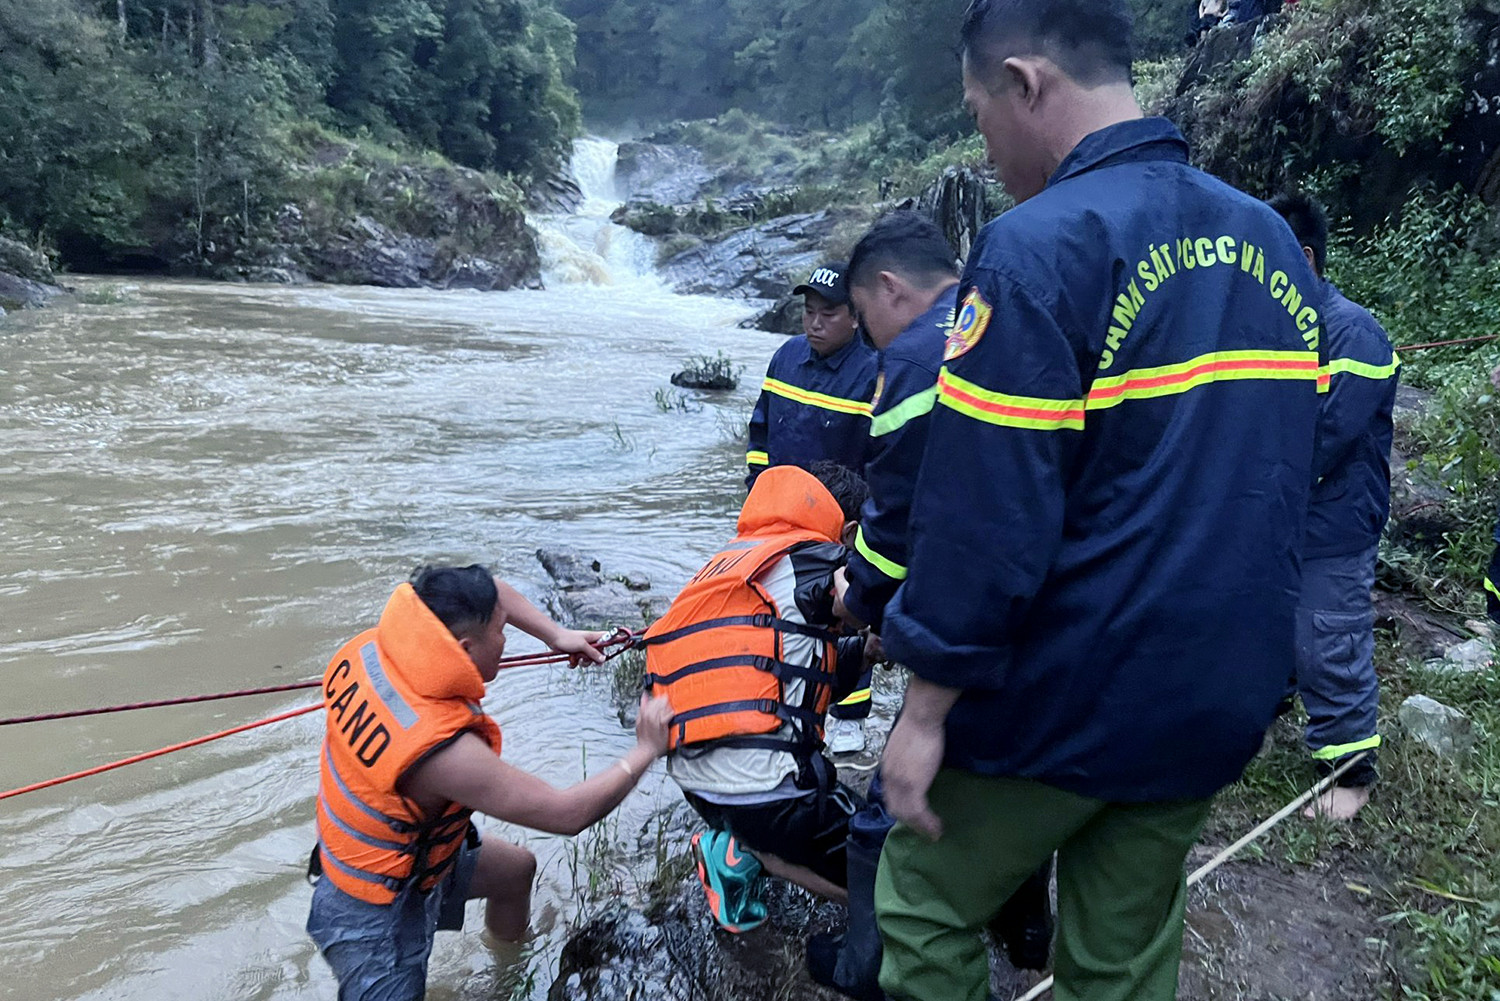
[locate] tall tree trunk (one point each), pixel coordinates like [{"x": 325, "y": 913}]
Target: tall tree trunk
[{"x": 205, "y": 34}]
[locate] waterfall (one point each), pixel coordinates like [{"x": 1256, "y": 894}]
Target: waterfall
[{"x": 585, "y": 247}]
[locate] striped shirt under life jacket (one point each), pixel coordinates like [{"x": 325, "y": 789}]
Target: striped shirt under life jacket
[
  {"x": 394, "y": 695},
  {"x": 717, "y": 653}
]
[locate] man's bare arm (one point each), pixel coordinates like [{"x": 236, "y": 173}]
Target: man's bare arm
[
  {"x": 532, "y": 620},
  {"x": 468, "y": 772}
]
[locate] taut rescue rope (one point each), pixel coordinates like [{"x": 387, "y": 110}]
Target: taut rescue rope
[{"x": 622, "y": 638}]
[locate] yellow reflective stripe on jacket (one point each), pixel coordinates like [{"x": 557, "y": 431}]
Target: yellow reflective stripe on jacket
[
  {"x": 890, "y": 568},
  {"x": 1489, "y": 586},
  {"x": 1336, "y": 751},
  {"x": 1217, "y": 366},
  {"x": 821, "y": 400},
  {"x": 855, "y": 698},
  {"x": 914, "y": 406},
  {"x": 1138, "y": 384},
  {"x": 1340, "y": 366},
  {"x": 757, "y": 459},
  {"x": 1006, "y": 410}
]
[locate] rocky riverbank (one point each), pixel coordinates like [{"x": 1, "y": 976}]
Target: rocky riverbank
[
  {"x": 722, "y": 233},
  {"x": 26, "y": 278}
]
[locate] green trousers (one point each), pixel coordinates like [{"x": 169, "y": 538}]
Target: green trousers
[{"x": 1120, "y": 889}]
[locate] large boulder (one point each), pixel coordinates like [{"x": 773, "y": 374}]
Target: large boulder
[
  {"x": 26, "y": 280},
  {"x": 405, "y": 226},
  {"x": 660, "y": 172},
  {"x": 755, "y": 262}
]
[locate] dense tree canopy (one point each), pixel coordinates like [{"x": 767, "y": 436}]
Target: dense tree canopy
[
  {"x": 133, "y": 123},
  {"x": 825, "y": 63}
]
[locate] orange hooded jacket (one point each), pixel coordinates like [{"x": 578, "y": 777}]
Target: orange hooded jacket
[{"x": 717, "y": 653}]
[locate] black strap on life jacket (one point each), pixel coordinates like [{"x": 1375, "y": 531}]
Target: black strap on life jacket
[
  {"x": 759, "y": 621},
  {"x": 782, "y": 670},
  {"x": 435, "y": 833},
  {"x": 807, "y": 736}
]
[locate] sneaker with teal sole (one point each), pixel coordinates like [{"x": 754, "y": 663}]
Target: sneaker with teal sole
[{"x": 730, "y": 877}]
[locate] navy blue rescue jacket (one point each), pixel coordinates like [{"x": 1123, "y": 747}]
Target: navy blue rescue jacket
[
  {"x": 813, "y": 408},
  {"x": 1105, "y": 533},
  {"x": 906, "y": 390},
  {"x": 1351, "y": 495}
]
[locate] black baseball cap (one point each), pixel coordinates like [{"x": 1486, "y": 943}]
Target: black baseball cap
[{"x": 827, "y": 280}]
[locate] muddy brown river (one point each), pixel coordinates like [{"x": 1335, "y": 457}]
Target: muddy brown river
[{"x": 206, "y": 487}]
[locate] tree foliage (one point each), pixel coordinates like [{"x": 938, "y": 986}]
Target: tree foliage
[{"x": 140, "y": 129}]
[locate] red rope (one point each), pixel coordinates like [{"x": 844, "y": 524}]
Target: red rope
[
  {"x": 185, "y": 700},
  {"x": 622, "y": 636},
  {"x": 133, "y": 759}
]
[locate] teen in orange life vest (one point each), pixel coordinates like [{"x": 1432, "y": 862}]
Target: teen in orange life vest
[
  {"x": 409, "y": 754},
  {"x": 750, "y": 658}
]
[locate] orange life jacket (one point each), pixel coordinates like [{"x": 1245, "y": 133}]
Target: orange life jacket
[
  {"x": 393, "y": 695},
  {"x": 717, "y": 652}
]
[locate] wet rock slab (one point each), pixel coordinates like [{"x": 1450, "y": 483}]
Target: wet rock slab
[
  {"x": 660, "y": 172},
  {"x": 585, "y": 597},
  {"x": 752, "y": 263},
  {"x": 673, "y": 951}
]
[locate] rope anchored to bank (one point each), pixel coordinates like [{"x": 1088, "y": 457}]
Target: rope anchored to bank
[{"x": 622, "y": 639}]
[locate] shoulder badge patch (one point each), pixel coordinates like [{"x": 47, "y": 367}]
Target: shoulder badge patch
[{"x": 973, "y": 320}]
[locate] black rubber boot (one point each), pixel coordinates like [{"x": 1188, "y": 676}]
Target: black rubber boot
[
  {"x": 850, "y": 963},
  {"x": 1024, "y": 924}
]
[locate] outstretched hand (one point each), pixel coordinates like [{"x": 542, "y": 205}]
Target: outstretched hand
[
  {"x": 580, "y": 646},
  {"x": 652, "y": 724}
]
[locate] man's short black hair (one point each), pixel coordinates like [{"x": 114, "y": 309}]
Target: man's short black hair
[
  {"x": 1089, "y": 40},
  {"x": 906, "y": 243},
  {"x": 847, "y": 486},
  {"x": 463, "y": 598},
  {"x": 1308, "y": 221}
]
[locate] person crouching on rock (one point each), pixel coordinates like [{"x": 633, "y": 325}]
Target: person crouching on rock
[
  {"x": 409, "y": 755},
  {"x": 749, "y": 658}
]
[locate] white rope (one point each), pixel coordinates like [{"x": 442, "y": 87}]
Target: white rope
[{"x": 1234, "y": 849}]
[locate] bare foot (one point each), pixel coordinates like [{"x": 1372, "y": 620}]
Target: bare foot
[{"x": 1338, "y": 803}]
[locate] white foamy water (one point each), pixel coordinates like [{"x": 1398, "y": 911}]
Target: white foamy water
[{"x": 585, "y": 247}]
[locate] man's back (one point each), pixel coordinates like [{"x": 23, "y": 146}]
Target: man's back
[
  {"x": 1351, "y": 496},
  {"x": 1149, "y": 375}
]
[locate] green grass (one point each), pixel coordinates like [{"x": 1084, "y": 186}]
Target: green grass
[{"x": 1428, "y": 838}]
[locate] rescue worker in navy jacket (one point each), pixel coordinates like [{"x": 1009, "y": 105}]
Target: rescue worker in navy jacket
[
  {"x": 815, "y": 405},
  {"x": 1103, "y": 557},
  {"x": 903, "y": 283},
  {"x": 1351, "y": 498},
  {"x": 815, "y": 401}
]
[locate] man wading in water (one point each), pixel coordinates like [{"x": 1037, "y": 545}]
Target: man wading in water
[{"x": 409, "y": 755}]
